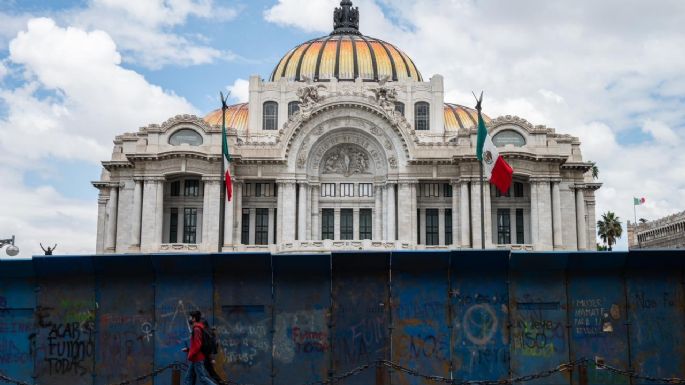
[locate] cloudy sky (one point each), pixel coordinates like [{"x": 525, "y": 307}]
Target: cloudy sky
[{"x": 74, "y": 73}]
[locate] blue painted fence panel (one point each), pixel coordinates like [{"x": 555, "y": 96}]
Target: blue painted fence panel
[
  {"x": 243, "y": 303},
  {"x": 17, "y": 304},
  {"x": 421, "y": 336},
  {"x": 301, "y": 342},
  {"x": 361, "y": 306},
  {"x": 480, "y": 301}
]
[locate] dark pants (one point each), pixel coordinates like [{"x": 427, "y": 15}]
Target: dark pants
[
  {"x": 197, "y": 375},
  {"x": 209, "y": 367}
]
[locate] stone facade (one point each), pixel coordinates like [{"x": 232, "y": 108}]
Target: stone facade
[
  {"x": 346, "y": 169},
  {"x": 663, "y": 233}
]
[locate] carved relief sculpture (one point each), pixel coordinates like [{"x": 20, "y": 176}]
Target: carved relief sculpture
[{"x": 346, "y": 160}]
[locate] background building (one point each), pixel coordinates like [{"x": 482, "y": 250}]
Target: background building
[
  {"x": 345, "y": 146},
  {"x": 664, "y": 233}
]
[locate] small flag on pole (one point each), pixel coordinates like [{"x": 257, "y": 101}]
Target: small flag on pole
[
  {"x": 496, "y": 169},
  {"x": 638, "y": 201},
  {"x": 224, "y": 150}
]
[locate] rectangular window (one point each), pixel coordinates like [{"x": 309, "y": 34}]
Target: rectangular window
[
  {"x": 518, "y": 190},
  {"x": 447, "y": 190},
  {"x": 189, "y": 225},
  {"x": 328, "y": 189},
  {"x": 432, "y": 227},
  {"x": 346, "y": 224},
  {"x": 262, "y": 189},
  {"x": 173, "y": 225},
  {"x": 175, "y": 189},
  {"x": 261, "y": 227},
  {"x": 327, "y": 224},
  {"x": 499, "y": 194},
  {"x": 430, "y": 189},
  {"x": 365, "y": 225},
  {"x": 346, "y": 189},
  {"x": 503, "y": 227},
  {"x": 366, "y": 189},
  {"x": 245, "y": 228},
  {"x": 247, "y": 189},
  {"x": 448, "y": 226},
  {"x": 191, "y": 188},
  {"x": 519, "y": 227}
]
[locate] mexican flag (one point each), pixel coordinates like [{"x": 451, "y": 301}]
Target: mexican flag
[
  {"x": 227, "y": 166},
  {"x": 638, "y": 201},
  {"x": 495, "y": 167}
]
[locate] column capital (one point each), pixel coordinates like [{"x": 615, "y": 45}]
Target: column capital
[
  {"x": 138, "y": 178},
  {"x": 455, "y": 182},
  {"x": 211, "y": 179},
  {"x": 286, "y": 181},
  {"x": 154, "y": 178},
  {"x": 408, "y": 181}
]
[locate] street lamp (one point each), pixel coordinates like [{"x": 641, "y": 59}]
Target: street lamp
[{"x": 11, "y": 250}]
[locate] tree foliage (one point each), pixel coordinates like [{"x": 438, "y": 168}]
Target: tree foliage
[{"x": 609, "y": 229}]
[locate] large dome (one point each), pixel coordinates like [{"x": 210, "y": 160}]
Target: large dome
[{"x": 345, "y": 54}]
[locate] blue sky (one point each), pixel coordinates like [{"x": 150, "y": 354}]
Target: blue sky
[{"x": 75, "y": 73}]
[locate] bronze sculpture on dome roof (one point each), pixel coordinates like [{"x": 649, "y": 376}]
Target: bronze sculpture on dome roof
[{"x": 346, "y": 19}]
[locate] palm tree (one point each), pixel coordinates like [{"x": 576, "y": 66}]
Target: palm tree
[
  {"x": 594, "y": 169},
  {"x": 609, "y": 228}
]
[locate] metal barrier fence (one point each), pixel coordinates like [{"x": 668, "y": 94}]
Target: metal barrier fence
[{"x": 453, "y": 317}]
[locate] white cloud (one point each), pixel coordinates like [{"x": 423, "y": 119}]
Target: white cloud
[
  {"x": 76, "y": 98},
  {"x": 240, "y": 90},
  {"x": 3, "y": 71},
  {"x": 661, "y": 132},
  {"x": 592, "y": 69}
]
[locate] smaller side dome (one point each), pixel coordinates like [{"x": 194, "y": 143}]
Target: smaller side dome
[
  {"x": 236, "y": 117},
  {"x": 461, "y": 117}
]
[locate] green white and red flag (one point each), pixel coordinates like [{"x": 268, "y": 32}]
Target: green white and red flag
[
  {"x": 227, "y": 165},
  {"x": 495, "y": 168},
  {"x": 639, "y": 201}
]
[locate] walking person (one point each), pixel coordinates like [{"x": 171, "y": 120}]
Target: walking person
[
  {"x": 197, "y": 374},
  {"x": 210, "y": 351}
]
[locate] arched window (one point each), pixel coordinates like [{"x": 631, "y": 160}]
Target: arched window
[
  {"x": 399, "y": 107},
  {"x": 293, "y": 107},
  {"x": 505, "y": 137},
  {"x": 422, "y": 116},
  {"x": 270, "y": 116},
  {"x": 185, "y": 136}
]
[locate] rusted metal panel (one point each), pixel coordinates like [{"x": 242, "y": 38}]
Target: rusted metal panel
[
  {"x": 17, "y": 303},
  {"x": 65, "y": 316},
  {"x": 480, "y": 301},
  {"x": 301, "y": 342},
  {"x": 597, "y": 315},
  {"x": 243, "y": 303},
  {"x": 183, "y": 284},
  {"x": 421, "y": 336},
  {"x": 125, "y": 318},
  {"x": 656, "y": 314},
  {"x": 360, "y": 313},
  {"x": 537, "y": 301}
]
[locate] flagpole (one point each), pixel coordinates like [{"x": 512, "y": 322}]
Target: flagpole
[
  {"x": 482, "y": 209},
  {"x": 222, "y": 195}
]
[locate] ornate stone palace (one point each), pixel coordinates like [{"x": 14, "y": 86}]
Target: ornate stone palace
[
  {"x": 664, "y": 233},
  {"x": 345, "y": 146}
]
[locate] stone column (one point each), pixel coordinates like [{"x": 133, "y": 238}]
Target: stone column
[
  {"x": 210, "y": 213},
  {"x": 137, "y": 212},
  {"x": 406, "y": 216},
  {"x": 271, "y": 226},
  {"x": 336, "y": 223},
  {"x": 465, "y": 225},
  {"x": 302, "y": 213},
  {"x": 316, "y": 227},
  {"x": 150, "y": 208},
  {"x": 475, "y": 214},
  {"x": 534, "y": 215},
  {"x": 545, "y": 223},
  {"x": 581, "y": 230},
  {"x": 102, "y": 223},
  {"x": 112, "y": 207},
  {"x": 414, "y": 207},
  {"x": 455, "y": 213},
  {"x": 289, "y": 211},
  {"x": 377, "y": 214},
  {"x": 355, "y": 223},
  {"x": 253, "y": 221},
  {"x": 556, "y": 215},
  {"x": 237, "y": 211},
  {"x": 487, "y": 214},
  {"x": 159, "y": 223},
  {"x": 279, "y": 212},
  {"x": 441, "y": 227},
  {"x": 390, "y": 209}
]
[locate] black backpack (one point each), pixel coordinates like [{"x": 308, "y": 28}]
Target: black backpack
[{"x": 210, "y": 346}]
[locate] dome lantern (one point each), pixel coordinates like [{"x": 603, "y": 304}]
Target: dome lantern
[{"x": 346, "y": 19}]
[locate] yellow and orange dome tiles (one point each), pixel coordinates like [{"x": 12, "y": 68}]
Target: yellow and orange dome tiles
[
  {"x": 345, "y": 57},
  {"x": 456, "y": 117}
]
